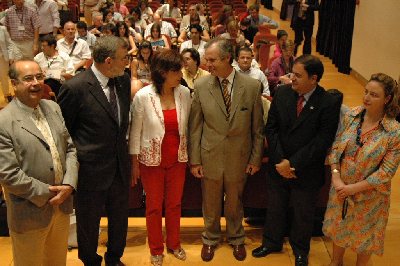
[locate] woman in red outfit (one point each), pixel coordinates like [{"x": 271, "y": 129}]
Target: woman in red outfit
[{"x": 157, "y": 144}]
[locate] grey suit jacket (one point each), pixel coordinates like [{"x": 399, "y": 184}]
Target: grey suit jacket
[
  {"x": 26, "y": 165},
  {"x": 224, "y": 146}
]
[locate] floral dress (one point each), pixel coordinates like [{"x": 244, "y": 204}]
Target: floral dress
[{"x": 376, "y": 161}]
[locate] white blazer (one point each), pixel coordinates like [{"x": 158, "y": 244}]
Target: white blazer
[{"x": 147, "y": 125}]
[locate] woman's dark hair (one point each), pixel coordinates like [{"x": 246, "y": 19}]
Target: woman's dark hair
[
  {"x": 145, "y": 45},
  {"x": 164, "y": 61},
  {"x": 156, "y": 26},
  {"x": 119, "y": 25},
  {"x": 194, "y": 54},
  {"x": 197, "y": 27},
  {"x": 391, "y": 88},
  {"x": 281, "y": 33}
]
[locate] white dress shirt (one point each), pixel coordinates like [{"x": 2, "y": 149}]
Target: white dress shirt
[{"x": 257, "y": 74}]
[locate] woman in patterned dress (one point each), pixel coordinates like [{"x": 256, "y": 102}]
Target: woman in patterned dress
[{"x": 363, "y": 160}]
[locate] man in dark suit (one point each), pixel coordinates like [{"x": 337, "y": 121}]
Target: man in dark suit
[
  {"x": 95, "y": 105},
  {"x": 303, "y": 23},
  {"x": 301, "y": 126}
]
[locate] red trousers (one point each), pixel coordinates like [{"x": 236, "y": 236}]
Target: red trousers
[{"x": 163, "y": 184}]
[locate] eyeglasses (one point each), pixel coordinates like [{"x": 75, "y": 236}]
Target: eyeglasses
[{"x": 31, "y": 78}]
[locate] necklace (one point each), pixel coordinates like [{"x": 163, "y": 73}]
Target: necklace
[{"x": 358, "y": 138}]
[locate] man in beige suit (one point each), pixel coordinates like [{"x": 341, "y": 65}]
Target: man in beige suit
[
  {"x": 225, "y": 144},
  {"x": 38, "y": 171}
]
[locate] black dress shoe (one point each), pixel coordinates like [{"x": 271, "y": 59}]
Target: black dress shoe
[
  {"x": 301, "y": 260},
  {"x": 263, "y": 251},
  {"x": 207, "y": 252}
]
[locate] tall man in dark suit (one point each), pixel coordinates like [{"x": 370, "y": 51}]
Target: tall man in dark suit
[
  {"x": 303, "y": 23},
  {"x": 95, "y": 105},
  {"x": 301, "y": 126},
  {"x": 225, "y": 144}
]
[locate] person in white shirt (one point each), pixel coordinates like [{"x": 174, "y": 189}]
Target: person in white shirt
[
  {"x": 196, "y": 42},
  {"x": 49, "y": 18},
  {"x": 56, "y": 65},
  {"x": 6, "y": 56},
  {"x": 186, "y": 19},
  {"x": 77, "y": 49},
  {"x": 244, "y": 59},
  {"x": 82, "y": 33},
  {"x": 170, "y": 10}
]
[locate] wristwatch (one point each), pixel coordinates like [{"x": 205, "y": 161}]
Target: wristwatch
[{"x": 335, "y": 171}]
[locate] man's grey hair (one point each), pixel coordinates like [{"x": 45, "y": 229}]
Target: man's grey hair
[
  {"x": 225, "y": 48},
  {"x": 107, "y": 46}
]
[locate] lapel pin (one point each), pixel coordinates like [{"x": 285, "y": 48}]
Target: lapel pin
[{"x": 311, "y": 107}]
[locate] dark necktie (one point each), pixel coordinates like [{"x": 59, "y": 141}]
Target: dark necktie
[
  {"x": 300, "y": 102},
  {"x": 227, "y": 95},
  {"x": 113, "y": 98}
]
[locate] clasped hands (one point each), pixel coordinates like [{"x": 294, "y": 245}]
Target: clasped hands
[
  {"x": 61, "y": 193},
  {"x": 342, "y": 190},
  {"x": 284, "y": 169}
]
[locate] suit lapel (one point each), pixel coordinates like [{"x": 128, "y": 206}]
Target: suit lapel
[
  {"x": 237, "y": 90},
  {"x": 54, "y": 123},
  {"x": 98, "y": 93},
  {"x": 26, "y": 122},
  {"x": 291, "y": 105},
  {"x": 215, "y": 90},
  {"x": 310, "y": 107}
]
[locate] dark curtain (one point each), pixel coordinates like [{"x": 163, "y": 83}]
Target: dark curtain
[{"x": 335, "y": 31}]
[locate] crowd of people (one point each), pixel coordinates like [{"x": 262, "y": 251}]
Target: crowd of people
[{"x": 142, "y": 100}]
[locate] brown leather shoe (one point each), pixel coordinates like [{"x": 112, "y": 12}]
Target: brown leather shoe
[
  {"x": 239, "y": 251},
  {"x": 207, "y": 252}
]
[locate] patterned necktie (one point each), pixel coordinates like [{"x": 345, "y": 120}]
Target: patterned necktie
[
  {"x": 41, "y": 124},
  {"x": 300, "y": 103},
  {"x": 227, "y": 95},
  {"x": 113, "y": 97}
]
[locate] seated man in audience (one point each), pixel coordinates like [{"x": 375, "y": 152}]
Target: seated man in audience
[
  {"x": 77, "y": 49},
  {"x": 248, "y": 30},
  {"x": 85, "y": 35},
  {"x": 120, "y": 8},
  {"x": 97, "y": 24},
  {"x": 186, "y": 20},
  {"x": 185, "y": 32},
  {"x": 257, "y": 19},
  {"x": 56, "y": 65},
  {"x": 196, "y": 42},
  {"x": 166, "y": 28},
  {"x": 244, "y": 59}
]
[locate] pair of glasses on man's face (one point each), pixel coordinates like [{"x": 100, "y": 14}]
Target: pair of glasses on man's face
[{"x": 31, "y": 78}]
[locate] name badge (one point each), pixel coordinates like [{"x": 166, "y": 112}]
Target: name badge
[{"x": 20, "y": 28}]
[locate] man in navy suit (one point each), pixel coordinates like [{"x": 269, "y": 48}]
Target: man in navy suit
[
  {"x": 95, "y": 105},
  {"x": 301, "y": 126}
]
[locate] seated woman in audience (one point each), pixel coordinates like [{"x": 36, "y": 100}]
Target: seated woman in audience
[
  {"x": 276, "y": 50},
  {"x": 123, "y": 31},
  {"x": 281, "y": 67},
  {"x": 140, "y": 24},
  {"x": 146, "y": 12},
  {"x": 157, "y": 40},
  {"x": 191, "y": 70},
  {"x": 363, "y": 160},
  {"x": 112, "y": 17},
  {"x": 170, "y": 10},
  {"x": 130, "y": 22},
  {"x": 235, "y": 35},
  {"x": 157, "y": 144},
  {"x": 140, "y": 68},
  {"x": 108, "y": 29},
  {"x": 185, "y": 32}
]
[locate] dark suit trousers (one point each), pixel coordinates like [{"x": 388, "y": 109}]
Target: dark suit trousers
[
  {"x": 285, "y": 196},
  {"x": 89, "y": 208},
  {"x": 303, "y": 31}
]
